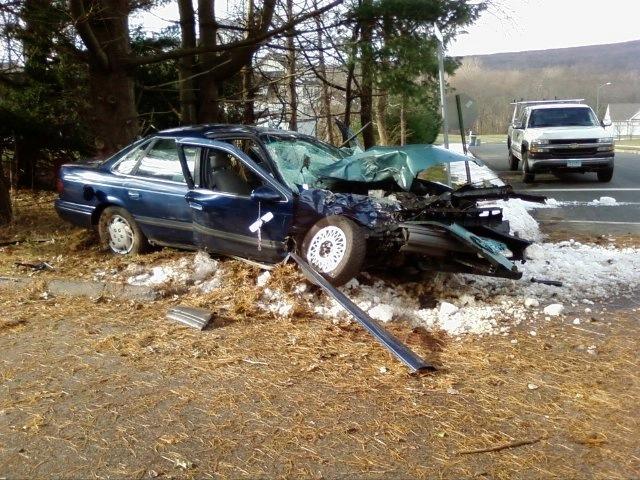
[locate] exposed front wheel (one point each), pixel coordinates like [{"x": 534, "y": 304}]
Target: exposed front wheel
[
  {"x": 120, "y": 233},
  {"x": 336, "y": 247},
  {"x": 605, "y": 176},
  {"x": 527, "y": 175}
]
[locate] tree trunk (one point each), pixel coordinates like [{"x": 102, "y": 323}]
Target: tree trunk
[
  {"x": 380, "y": 106},
  {"x": 403, "y": 123},
  {"x": 105, "y": 32},
  {"x": 186, "y": 69},
  {"x": 291, "y": 72},
  {"x": 114, "y": 117},
  {"x": 325, "y": 92},
  {"x": 209, "y": 104},
  {"x": 6, "y": 213},
  {"x": 248, "y": 93},
  {"x": 366, "y": 86}
]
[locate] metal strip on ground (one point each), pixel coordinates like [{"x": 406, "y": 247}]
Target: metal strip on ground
[{"x": 391, "y": 343}]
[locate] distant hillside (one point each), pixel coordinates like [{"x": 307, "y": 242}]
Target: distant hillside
[{"x": 596, "y": 58}]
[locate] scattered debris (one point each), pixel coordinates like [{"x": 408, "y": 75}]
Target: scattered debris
[
  {"x": 553, "y": 283},
  {"x": 531, "y": 303},
  {"x": 504, "y": 446},
  {"x": 532, "y": 386},
  {"x": 38, "y": 266},
  {"x": 194, "y": 317}
]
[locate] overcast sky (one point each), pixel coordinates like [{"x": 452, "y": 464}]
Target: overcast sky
[
  {"x": 517, "y": 25},
  {"x": 511, "y": 25}
]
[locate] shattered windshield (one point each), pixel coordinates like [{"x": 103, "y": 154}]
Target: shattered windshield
[{"x": 300, "y": 158}]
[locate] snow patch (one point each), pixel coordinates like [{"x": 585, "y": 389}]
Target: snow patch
[{"x": 554, "y": 309}]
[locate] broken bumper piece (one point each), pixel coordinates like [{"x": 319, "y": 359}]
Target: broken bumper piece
[{"x": 453, "y": 248}]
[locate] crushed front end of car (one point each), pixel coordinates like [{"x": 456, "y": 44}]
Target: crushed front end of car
[{"x": 411, "y": 220}]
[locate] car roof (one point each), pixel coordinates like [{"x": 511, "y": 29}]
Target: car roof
[
  {"x": 558, "y": 105},
  {"x": 214, "y": 129}
]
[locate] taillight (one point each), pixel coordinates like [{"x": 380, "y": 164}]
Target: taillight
[{"x": 59, "y": 185}]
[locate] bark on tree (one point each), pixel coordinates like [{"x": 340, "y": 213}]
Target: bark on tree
[
  {"x": 366, "y": 85},
  {"x": 380, "y": 108},
  {"x": 188, "y": 111},
  {"x": 208, "y": 86},
  {"x": 6, "y": 213},
  {"x": 325, "y": 91},
  {"x": 291, "y": 72},
  {"x": 248, "y": 92},
  {"x": 403, "y": 123},
  {"x": 105, "y": 34}
]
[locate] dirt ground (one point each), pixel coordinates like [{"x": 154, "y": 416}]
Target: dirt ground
[{"x": 99, "y": 388}]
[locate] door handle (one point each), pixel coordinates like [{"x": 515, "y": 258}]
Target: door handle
[
  {"x": 133, "y": 195},
  {"x": 195, "y": 206}
]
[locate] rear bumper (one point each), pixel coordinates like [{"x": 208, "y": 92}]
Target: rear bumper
[
  {"x": 75, "y": 213},
  {"x": 590, "y": 164}
]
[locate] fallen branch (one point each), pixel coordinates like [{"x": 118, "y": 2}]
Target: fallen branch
[{"x": 504, "y": 446}]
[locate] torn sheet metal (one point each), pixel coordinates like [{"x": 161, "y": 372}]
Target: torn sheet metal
[
  {"x": 402, "y": 164},
  {"x": 391, "y": 343},
  {"x": 316, "y": 203}
]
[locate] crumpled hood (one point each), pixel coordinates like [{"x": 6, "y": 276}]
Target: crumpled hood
[{"x": 402, "y": 164}]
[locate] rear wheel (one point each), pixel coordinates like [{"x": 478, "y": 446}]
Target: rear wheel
[
  {"x": 336, "y": 247},
  {"x": 527, "y": 175},
  {"x": 120, "y": 233},
  {"x": 605, "y": 176}
]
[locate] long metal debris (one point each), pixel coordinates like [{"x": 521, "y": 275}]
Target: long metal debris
[{"x": 391, "y": 343}]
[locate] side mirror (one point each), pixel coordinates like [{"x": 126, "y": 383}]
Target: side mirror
[
  {"x": 606, "y": 123},
  {"x": 516, "y": 125},
  {"x": 265, "y": 194}
]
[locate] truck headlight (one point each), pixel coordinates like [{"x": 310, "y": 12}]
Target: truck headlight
[
  {"x": 539, "y": 143},
  {"x": 606, "y": 148},
  {"x": 605, "y": 140}
]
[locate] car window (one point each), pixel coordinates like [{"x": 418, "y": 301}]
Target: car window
[
  {"x": 128, "y": 162},
  {"x": 162, "y": 161},
  {"x": 252, "y": 149},
  {"x": 224, "y": 172}
]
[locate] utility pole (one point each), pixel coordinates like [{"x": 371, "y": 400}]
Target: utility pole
[
  {"x": 598, "y": 97},
  {"x": 443, "y": 105}
]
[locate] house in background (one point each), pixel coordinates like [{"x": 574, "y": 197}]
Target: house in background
[{"x": 625, "y": 120}]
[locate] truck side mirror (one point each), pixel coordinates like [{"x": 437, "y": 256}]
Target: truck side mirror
[{"x": 606, "y": 123}]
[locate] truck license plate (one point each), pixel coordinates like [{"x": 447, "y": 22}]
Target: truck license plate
[{"x": 574, "y": 163}]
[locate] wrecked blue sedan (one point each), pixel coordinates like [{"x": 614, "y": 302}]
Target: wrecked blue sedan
[{"x": 259, "y": 194}]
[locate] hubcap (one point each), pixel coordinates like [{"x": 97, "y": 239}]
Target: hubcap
[
  {"x": 120, "y": 235},
  {"x": 327, "y": 249}
]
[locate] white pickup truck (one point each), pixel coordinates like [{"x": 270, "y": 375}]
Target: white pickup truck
[{"x": 558, "y": 136}]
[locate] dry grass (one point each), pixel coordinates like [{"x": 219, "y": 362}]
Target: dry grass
[{"x": 111, "y": 389}]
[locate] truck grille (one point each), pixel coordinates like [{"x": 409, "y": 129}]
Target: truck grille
[
  {"x": 574, "y": 152},
  {"x": 570, "y": 141}
]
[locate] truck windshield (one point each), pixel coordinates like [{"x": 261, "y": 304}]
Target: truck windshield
[
  {"x": 562, "y": 117},
  {"x": 299, "y": 158}
]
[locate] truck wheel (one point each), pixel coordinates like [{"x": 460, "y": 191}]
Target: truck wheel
[
  {"x": 120, "y": 233},
  {"x": 605, "y": 176},
  {"x": 335, "y": 246},
  {"x": 527, "y": 175},
  {"x": 513, "y": 162}
]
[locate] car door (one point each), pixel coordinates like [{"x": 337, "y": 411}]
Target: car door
[
  {"x": 249, "y": 220},
  {"x": 155, "y": 193}
]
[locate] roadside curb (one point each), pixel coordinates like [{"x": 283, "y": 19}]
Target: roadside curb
[{"x": 85, "y": 288}]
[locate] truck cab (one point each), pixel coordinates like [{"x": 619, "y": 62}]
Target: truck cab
[{"x": 558, "y": 136}]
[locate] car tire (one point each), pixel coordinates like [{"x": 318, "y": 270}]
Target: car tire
[
  {"x": 527, "y": 175},
  {"x": 119, "y": 232},
  {"x": 336, "y": 247},
  {"x": 513, "y": 162},
  {"x": 605, "y": 176}
]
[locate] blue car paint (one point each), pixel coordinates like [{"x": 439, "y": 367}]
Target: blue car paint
[{"x": 174, "y": 213}]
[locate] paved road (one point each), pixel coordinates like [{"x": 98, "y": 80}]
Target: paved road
[{"x": 617, "y": 219}]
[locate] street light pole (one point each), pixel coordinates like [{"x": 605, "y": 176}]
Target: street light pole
[
  {"x": 598, "y": 97},
  {"x": 443, "y": 105}
]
